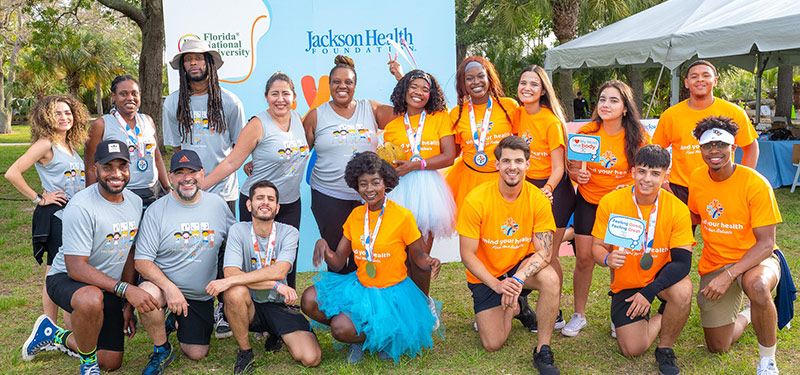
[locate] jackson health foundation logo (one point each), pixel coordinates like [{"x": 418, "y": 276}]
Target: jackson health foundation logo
[{"x": 368, "y": 41}]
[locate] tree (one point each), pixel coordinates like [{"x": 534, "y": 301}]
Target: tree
[
  {"x": 783, "y": 105},
  {"x": 149, "y": 16},
  {"x": 564, "y": 15},
  {"x": 13, "y": 35}
]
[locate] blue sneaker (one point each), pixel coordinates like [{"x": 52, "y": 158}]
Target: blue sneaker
[
  {"x": 41, "y": 337},
  {"x": 170, "y": 324},
  {"x": 355, "y": 355},
  {"x": 90, "y": 368},
  {"x": 159, "y": 361}
]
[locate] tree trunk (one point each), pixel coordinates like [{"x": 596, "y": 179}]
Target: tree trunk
[
  {"x": 151, "y": 63},
  {"x": 636, "y": 81},
  {"x": 565, "y": 27},
  {"x": 98, "y": 98},
  {"x": 565, "y": 92},
  {"x": 5, "y": 110},
  {"x": 783, "y": 106}
]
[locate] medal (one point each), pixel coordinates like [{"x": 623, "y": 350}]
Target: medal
[
  {"x": 415, "y": 158},
  {"x": 479, "y": 137},
  {"x": 264, "y": 259},
  {"x": 141, "y": 165},
  {"x": 134, "y": 135},
  {"x": 415, "y": 138},
  {"x": 650, "y": 230},
  {"x": 369, "y": 239}
]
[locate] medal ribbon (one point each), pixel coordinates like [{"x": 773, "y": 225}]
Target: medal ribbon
[
  {"x": 266, "y": 257},
  {"x": 651, "y": 221},
  {"x": 480, "y": 140},
  {"x": 415, "y": 140},
  {"x": 135, "y": 134},
  {"x": 369, "y": 239}
]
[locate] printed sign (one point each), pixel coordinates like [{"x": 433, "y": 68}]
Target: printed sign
[
  {"x": 583, "y": 147},
  {"x": 625, "y": 232}
]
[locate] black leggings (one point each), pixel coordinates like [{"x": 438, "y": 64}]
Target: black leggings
[
  {"x": 563, "y": 199},
  {"x": 330, "y": 214}
]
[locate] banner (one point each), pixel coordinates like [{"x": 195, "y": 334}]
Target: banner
[{"x": 301, "y": 38}]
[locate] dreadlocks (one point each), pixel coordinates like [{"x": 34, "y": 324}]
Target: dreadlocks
[{"x": 215, "y": 112}]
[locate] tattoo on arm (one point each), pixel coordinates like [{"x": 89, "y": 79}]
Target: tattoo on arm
[{"x": 544, "y": 240}]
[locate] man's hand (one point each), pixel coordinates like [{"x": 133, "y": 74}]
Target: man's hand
[
  {"x": 215, "y": 287},
  {"x": 640, "y": 306},
  {"x": 510, "y": 290},
  {"x": 129, "y": 323},
  {"x": 175, "y": 301},
  {"x": 718, "y": 286},
  {"x": 288, "y": 293},
  {"x": 140, "y": 299},
  {"x": 616, "y": 258}
]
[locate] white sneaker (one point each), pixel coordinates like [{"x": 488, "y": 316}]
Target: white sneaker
[
  {"x": 613, "y": 330},
  {"x": 475, "y": 325},
  {"x": 222, "y": 329},
  {"x": 746, "y": 312},
  {"x": 767, "y": 366},
  {"x": 574, "y": 326},
  {"x": 432, "y": 307}
]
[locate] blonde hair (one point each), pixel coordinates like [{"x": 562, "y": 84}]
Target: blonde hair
[{"x": 44, "y": 121}]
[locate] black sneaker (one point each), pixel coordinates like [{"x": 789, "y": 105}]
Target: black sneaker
[
  {"x": 170, "y": 324},
  {"x": 543, "y": 361},
  {"x": 526, "y": 315},
  {"x": 665, "y": 357},
  {"x": 273, "y": 343},
  {"x": 244, "y": 362}
]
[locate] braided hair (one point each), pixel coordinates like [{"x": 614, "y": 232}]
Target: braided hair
[
  {"x": 215, "y": 110},
  {"x": 495, "y": 86}
]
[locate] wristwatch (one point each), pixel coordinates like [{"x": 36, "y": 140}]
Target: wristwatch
[{"x": 37, "y": 199}]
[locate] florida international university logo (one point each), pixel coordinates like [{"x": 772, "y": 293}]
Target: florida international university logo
[
  {"x": 714, "y": 209},
  {"x": 509, "y": 227},
  {"x": 608, "y": 159}
]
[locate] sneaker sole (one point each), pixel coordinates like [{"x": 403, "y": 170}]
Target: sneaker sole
[
  {"x": 223, "y": 335},
  {"x": 569, "y": 333},
  {"x": 25, "y": 355}
]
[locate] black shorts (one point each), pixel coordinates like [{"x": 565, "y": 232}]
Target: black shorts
[
  {"x": 60, "y": 288},
  {"x": 289, "y": 214},
  {"x": 584, "y": 215},
  {"x": 682, "y": 192},
  {"x": 619, "y": 307},
  {"x": 46, "y": 230},
  {"x": 196, "y": 327},
  {"x": 484, "y": 298},
  {"x": 330, "y": 214},
  {"x": 149, "y": 195},
  {"x": 563, "y": 199},
  {"x": 278, "y": 319}
]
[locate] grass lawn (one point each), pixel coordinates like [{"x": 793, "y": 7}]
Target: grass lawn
[
  {"x": 19, "y": 134},
  {"x": 593, "y": 351}
]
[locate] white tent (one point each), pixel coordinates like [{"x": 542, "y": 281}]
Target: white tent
[{"x": 751, "y": 34}]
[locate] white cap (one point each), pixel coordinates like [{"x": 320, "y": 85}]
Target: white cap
[{"x": 717, "y": 134}]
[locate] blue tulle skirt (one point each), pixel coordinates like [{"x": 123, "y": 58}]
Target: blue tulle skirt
[
  {"x": 428, "y": 197},
  {"x": 395, "y": 319}
]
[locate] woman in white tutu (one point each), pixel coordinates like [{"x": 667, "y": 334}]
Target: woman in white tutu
[
  {"x": 425, "y": 133},
  {"x": 377, "y": 307}
]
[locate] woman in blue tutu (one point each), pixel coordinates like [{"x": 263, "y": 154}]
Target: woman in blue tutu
[
  {"x": 364, "y": 308},
  {"x": 424, "y": 131}
]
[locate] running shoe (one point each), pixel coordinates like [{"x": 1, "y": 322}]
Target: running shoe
[
  {"x": 159, "y": 360},
  {"x": 355, "y": 355},
  {"x": 767, "y": 366},
  {"x": 244, "y": 362},
  {"x": 526, "y": 315},
  {"x": 665, "y": 357},
  {"x": 90, "y": 368},
  {"x": 544, "y": 362},
  {"x": 222, "y": 330},
  {"x": 574, "y": 326}
]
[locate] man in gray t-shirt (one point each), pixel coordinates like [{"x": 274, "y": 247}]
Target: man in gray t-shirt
[
  {"x": 90, "y": 275},
  {"x": 176, "y": 253},
  {"x": 207, "y": 118},
  {"x": 258, "y": 257}
]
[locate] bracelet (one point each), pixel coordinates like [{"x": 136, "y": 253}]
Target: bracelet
[
  {"x": 120, "y": 288},
  {"x": 551, "y": 187},
  {"x": 518, "y": 280},
  {"x": 422, "y": 164},
  {"x": 277, "y": 284},
  {"x": 38, "y": 198},
  {"x": 730, "y": 274},
  {"x": 605, "y": 260}
]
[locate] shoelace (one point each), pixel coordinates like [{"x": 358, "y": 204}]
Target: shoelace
[
  {"x": 92, "y": 369},
  {"x": 156, "y": 359},
  {"x": 546, "y": 357}
]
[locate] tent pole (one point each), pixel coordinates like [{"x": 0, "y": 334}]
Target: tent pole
[
  {"x": 655, "y": 91},
  {"x": 759, "y": 71},
  {"x": 675, "y": 85}
]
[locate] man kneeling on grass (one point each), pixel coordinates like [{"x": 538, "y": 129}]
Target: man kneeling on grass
[
  {"x": 658, "y": 266},
  {"x": 258, "y": 257}
]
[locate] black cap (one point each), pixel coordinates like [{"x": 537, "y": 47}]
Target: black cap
[
  {"x": 185, "y": 159},
  {"x": 111, "y": 149}
]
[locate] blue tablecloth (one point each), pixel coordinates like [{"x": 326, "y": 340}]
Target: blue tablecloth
[{"x": 774, "y": 161}]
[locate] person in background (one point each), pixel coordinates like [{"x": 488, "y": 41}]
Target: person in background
[{"x": 580, "y": 106}]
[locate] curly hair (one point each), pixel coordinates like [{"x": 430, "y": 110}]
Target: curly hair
[
  {"x": 44, "y": 121},
  {"x": 436, "y": 100},
  {"x": 725, "y": 123},
  {"x": 634, "y": 131},
  {"x": 343, "y": 62},
  {"x": 495, "y": 86},
  {"x": 215, "y": 110},
  {"x": 368, "y": 162}
]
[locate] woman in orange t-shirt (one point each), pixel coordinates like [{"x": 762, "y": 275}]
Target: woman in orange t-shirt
[
  {"x": 425, "y": 133},
  {"x": 540, "y": 122},
  {"x": 377, "y": 307},
  {"x": 481, "y": 105},
  {"x": 616, "y": 122}
]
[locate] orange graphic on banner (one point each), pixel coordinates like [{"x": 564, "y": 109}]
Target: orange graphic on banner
[{"x": 252, "y": 53}]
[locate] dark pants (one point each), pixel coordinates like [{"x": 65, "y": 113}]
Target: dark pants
[{"x": 330, "y": 214}]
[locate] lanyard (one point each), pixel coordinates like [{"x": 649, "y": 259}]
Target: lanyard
[
  {"x": 265, "y": 259},
  {"x": 650, "y": 229},
  {"x": 479, "y": 139},
  {"x": 369, "y": 239},
  {"x": 135, "y": 134},
  {"x": 415, "y": 140}
]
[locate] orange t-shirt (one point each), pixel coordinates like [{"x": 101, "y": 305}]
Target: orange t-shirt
[
  {"x": 504, "y": 229},
  {"x": 675, "y": 129},
  {"x": 613, "y": 170},
  {"x": 437, "y": 126},
  {"x": 398, "y": 230},
  {"x": 729, "y": 210},
  {"x": 499, "y": 128},
  {"x": 543, "y": 133},
  {"x": 673, "y": 229}
]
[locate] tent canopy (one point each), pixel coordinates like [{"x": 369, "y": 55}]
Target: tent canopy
[{"x": 676, "y": 31}]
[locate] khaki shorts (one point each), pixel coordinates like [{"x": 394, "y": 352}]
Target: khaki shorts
[{"x": 724, "y": 311}]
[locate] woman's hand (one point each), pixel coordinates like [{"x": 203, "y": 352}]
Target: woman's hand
[{"x": 56, "y": 197}]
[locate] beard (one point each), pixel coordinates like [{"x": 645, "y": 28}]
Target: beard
[
  {"x": 201, "y": 78},
  {"x": 265, "y": 217},
  {"x": 108, "y": 189},
  {"x": 190, "y": 196}
]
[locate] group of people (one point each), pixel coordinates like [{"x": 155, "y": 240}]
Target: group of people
[{"x": 167, "y": 243}]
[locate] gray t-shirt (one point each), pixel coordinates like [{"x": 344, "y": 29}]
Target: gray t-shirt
[
  {"x": 143, "y": 169},
  {"x": 183, "y": 240},
  {"x": 211, "y": 147},
  {"x": 336, "y": 140},
  {"x": 64, "y": 172},
  {"x": 241, "y": 254},
  {"x": 102, "y": 230},
  {"x": 280, "y": 157}
]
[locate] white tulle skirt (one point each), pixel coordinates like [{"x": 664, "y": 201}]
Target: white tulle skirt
[{"x": 429, "y": 198}]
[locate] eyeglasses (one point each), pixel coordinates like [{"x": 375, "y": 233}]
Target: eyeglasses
[{"x": 719, "y": 145}]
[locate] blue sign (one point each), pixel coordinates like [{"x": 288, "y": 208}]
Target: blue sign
[
  {"x": 623, "y": 231},
  {"x": 583, "y": 147}
]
